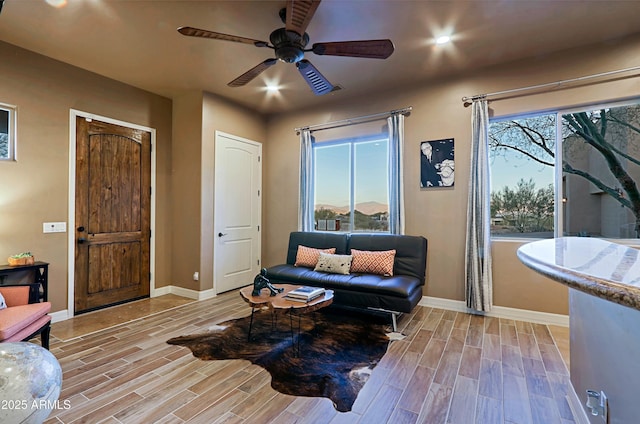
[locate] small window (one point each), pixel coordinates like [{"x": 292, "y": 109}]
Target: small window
[
  {"x": 522, "y": 155},
  {"x": 351, "y": 184},
  {"x": 7, "y": 132}
]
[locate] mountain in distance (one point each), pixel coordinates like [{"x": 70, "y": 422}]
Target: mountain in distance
[{"x": 367, "y": 208}]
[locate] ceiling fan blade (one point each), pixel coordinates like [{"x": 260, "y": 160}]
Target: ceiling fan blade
[
  {"x": 203, "y": 33},
  {"x": 299, "y": 14},
  {"x": 318, "y": 83},
  {"x": 252, "y": 73},
  {"x": 374, "y": 49}
]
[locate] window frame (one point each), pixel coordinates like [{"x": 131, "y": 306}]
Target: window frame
[
  {"x": 12, "y": 121},
  {"x": 558, "y": 224},
  {"x": 352, "y": 142}
]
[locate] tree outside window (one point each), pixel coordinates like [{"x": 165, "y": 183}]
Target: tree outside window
[{"x": 600, "y": 162}]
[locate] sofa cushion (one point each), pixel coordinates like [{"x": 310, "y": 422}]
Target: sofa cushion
[
  {"x": 16, "y": 318},
  {"x": 316, "y": 240},
  {"x": 32, "y": 328},
  {"x": 333, "y": 264},
  {"x": 308, "y": 256},
  {"x": 373, "y": 262},
  {"x": 411, "y": 251},
  {"x": 15, "y": 295}
]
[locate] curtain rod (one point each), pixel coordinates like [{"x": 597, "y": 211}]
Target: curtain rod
[
  {"x": 467, "y": 100},
  {"x": 350, "y": 121}
]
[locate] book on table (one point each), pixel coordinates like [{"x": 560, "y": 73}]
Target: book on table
[{"x": 305, "y": 293}]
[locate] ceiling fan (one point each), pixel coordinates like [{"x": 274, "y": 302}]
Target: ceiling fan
[{"x": 290, "y": 42}]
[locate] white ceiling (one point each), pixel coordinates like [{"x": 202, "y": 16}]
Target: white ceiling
[{"x": 136, "y": 42}]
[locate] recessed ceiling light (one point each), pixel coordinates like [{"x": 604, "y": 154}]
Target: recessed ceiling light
[
  {"x": 57, "y": 3},
  {"x": 443, "y": 39},
  {"x": 272, "y": 88}
]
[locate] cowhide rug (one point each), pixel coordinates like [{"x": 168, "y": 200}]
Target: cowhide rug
[{"x": 337, "y": 353}]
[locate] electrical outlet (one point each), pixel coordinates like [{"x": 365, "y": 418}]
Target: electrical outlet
[{"x": 54, "y": 227}]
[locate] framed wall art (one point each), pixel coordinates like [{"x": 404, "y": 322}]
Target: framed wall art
[{"x": 437, "y": 163}]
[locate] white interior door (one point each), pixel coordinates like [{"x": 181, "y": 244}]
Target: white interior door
[{"x": 238, "y": 213}]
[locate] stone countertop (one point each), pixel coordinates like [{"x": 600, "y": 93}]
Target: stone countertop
[{"x": 598, "y": 267}]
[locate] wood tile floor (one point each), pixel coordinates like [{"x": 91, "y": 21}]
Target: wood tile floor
[
  {"x": 452, "y": 367},
  {"x": 91, "y": 322}
]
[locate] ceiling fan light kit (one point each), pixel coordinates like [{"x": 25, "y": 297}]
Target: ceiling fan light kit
[{"x": 289, "y": 45}]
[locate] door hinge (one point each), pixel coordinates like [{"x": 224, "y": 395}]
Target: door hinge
[
  {"x": 258, "y": 228},
  {"x": 258, "y": 158},
  {"x": 258, "y": 261},
  {"x": 258, "y": 193}
]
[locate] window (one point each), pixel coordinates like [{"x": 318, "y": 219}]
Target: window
[
  {"x": 521, "y": 153},
  {"x": 7, "y": 132},
  {"x": 351, "y": 184},
  {"x": 572, "y": 173}
]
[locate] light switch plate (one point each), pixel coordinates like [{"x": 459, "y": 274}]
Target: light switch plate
[{"x": 54, "y": 227}]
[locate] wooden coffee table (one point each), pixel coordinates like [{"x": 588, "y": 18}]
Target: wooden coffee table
[{"x": 279, "y": 303}]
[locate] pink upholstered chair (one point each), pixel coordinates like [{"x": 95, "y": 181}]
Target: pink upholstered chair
[{"x": 21, "y": 320}]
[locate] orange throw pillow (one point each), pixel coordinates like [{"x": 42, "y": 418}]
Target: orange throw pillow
[
  {"x": 308, "y": 256},
  {"x": 373, "y": 262}
]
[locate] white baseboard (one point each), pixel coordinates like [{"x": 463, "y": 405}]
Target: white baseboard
[
  {"x": 161, "y": 291},
  {"x": 498, "y": 311},
  {"x": 59, "y": 316},
  {"x": 192, "y": 294}
]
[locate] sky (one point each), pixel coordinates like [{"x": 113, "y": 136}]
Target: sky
[
  {"x": 508, "y": 168},
  {"x": 332, "y": 173}
]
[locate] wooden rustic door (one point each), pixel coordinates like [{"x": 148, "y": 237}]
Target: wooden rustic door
[{"x": 113, "y": 214}]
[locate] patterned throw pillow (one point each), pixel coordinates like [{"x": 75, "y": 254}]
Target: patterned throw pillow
[
  {"x": 373, "y": 262},
  {"x": 308, "y": 256},
  {"x": 3, "y": 304},
  {"x": 334, "y": 264}
]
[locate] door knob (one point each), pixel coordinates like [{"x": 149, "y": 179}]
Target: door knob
[
  {"x": 81, "y": 240},
  {"x": 80, "y": 228},
  {"x": 221, "y": 234}
]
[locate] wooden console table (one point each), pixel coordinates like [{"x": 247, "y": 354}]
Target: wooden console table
[{"x": 36, "y": 275}]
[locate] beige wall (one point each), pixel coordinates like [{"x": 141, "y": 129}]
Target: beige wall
[
  {"x": 185, "y": 183},
  {"x": 440, "y": 214},
  {"x": 35, "y": 187},
  {"x": 196, "y": 118}
]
